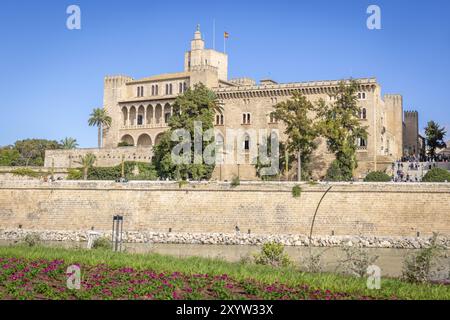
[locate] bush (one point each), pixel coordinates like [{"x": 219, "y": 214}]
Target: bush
[
  {"x": 437, "y": 175},
  {"x": 417, "y": 267},
  {"x": 357, "y": 261},
  {"x": 272, "y": 254},
  {"x": 336, "y": 173},
  {"x": 25, "y": 172},
  {"x": 74, "y": 174},
  {"x": 377, "y": 176},
  {"x": 235, "y": 181},
  {"x": 32, "y": 239},
  {"x": 124, "y": 144},
  {"x": 146, "y": 172},
  {"x": 102, "y": 243},
  {"x": 296, "y": 191}
]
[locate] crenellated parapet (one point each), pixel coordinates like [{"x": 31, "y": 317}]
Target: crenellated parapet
[{"x": 288, "y": 89}]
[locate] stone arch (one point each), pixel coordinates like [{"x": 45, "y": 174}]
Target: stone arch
[
  {"x": 144, "y": 140},
  {"x": 125, "y": 115},
  {"x": 128, "y": 139},
  {"x": 158, "y": 114},
  {"x": 150, "y": 114},
  {"x": 167, "y": 112},
  {"x": 158, "y": 137},
  {"x": 141, "y": 115},
  {"x": 132, "y": 115}
]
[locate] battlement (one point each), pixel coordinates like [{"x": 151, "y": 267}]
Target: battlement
[{"x": 116, "y": 81}]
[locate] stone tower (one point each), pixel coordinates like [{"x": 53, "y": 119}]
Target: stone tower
[
  {"x": 411, "y": 133},
  {"x": 205, "y": 65}
]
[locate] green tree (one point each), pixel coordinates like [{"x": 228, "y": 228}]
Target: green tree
[
  {"x": 99, "y": 118},
  {"x": 9, "y": 156},
  {"x": 282, "y": 160},
  {"x": 32, "y": 151},
  {"x": 195, "y": 105},
  {"x": 339, "y": 123},
  {"x": 68, "y": 143},
  {"x": 87, "y": 162},
  {"x": 301, "y": 132},
  {"x": 435, "y": 137}
]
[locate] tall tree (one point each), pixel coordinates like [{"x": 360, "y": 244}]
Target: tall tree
[
  {"x": 68, "y": 143},
  {"x": 100, "y": 118},
  {"x": 87, "y": 162},
  {"x": 9, "y": 156},
  {"x": 340, "y": 125},
  {"x": 435, "y": 137},
  {"x": 32, "y": 151},
  {"x": 195, "y": 105},
  {"x": 301, "y": 131}
]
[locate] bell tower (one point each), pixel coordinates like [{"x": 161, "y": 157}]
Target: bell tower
[{"x": 200, "y": 59}]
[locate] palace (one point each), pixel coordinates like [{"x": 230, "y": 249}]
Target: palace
[{"x": 140, "y": 110}]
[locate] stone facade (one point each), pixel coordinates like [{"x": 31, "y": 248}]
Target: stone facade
[
  {"x": 140, "y": 110},
  {"x": 372, "y": 210}
]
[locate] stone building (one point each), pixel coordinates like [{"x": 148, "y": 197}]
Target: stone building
[
  {"x": 141, "y": 108},
  {"x": 413, "y": 142}
]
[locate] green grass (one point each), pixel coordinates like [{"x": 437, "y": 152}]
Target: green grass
[{"x": 195, "y": 265}]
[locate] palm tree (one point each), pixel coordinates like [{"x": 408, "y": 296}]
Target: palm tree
[
  {"x": 87, "y": 162},
  {"x": 100, "y": 118},
  {"x": 69, "y": 143}
]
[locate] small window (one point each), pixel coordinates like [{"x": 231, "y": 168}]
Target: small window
[
  {"x": 180, "y": 90},
  {"x": 170, "y": 89},
  {"x": 246, "y": 142},
  {"x": 364, "y": 113},
  {"x": 140, "y": 120}
]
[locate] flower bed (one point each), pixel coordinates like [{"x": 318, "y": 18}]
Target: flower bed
[{"x": 47, "y": 279}]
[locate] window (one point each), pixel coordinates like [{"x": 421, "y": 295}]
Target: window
[
  {"x": 246, "y": 118},
  {"x": 184, "y": 87},
  {"x": 170, "y": 89},
  {"x": 180, "y": 90},
  {"x": 219, "y": 119},
  {"x": 362, "y": 142},
  {"x": 363, "y": 113},
  {"x": 272, "y": 118},
  {"x": 167, "y": 89},
  {"x": 140, "y": 91},
  {"x": 166, "y": 117},
  {"x": 361, "y": 96},
  {"x": 246, "y": 142},
  {"x": 140, "y": 120}
]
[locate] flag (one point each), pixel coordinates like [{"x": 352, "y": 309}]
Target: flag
[{"x": 226, "y": 35}]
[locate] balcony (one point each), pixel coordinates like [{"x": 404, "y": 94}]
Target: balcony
[{"x": 144, "y": 126}]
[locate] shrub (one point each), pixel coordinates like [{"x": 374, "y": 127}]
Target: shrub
[
  {"x": 235, "y": 181},
  {"x": 377, "y": 176},
  {"x": 32, "y": 239},
  {"x": 272, "y": 254},
  {"x": 437, "y": 175},
  {"x": 74, "y": 174},
  {"x": 25, "y": 172},
  {"x": 417, "y": 267},
  {"x": 296, "y": 191},
  {"x": 182, "y": 183},
  {"x": 356, "y": 261},
  {"x": 124, "y": 144},
  {"x": 102, "y": 243},
  {"x": 336, "y": 173},
  {"x": 146, "y": 172}
]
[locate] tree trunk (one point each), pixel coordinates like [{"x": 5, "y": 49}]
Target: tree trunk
[
  {"x": 99, "y": 137},
  {"x": 299, "y": 164},
  {"x": 85, "y": 173}
]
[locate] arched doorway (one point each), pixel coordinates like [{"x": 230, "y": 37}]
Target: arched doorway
[
  {"x": 144, "y": 140},
  {"x": 128, "y": 140}
]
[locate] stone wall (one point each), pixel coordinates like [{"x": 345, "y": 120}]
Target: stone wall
[
  {"x": 105, "y": 157},
  {"x": 399, "y": 210}
]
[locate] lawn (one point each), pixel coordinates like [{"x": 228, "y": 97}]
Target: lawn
[{"x": 40, "y": 273}]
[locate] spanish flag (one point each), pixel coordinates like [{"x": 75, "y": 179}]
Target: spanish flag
[{"x": 226, "y": 35}]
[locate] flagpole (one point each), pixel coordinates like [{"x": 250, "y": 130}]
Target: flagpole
[
  {"x": 224, "y": 44},
  {"x": 214, "y": 34}
]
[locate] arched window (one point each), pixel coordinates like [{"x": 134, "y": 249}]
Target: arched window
[
  {"x": 246, "y": 118},
  {"x": 364, "y": 113},
  {"x": 272, "y": 118},
  {"x": 125, "y": 115},
  {"x": 246, "y": 142}
]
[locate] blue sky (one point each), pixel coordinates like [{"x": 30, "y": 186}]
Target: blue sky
[{"x": 51, "y": 77}]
